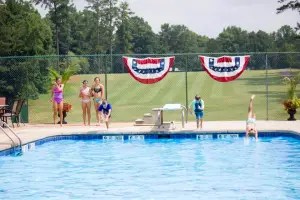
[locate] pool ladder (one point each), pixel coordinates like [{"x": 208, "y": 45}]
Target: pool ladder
[{"x": 17, "y": 147}]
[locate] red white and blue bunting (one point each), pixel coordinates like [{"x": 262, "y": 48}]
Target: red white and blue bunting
[
  {"x": 148, "y": 70},
  {"x": 225, "y": 68}
]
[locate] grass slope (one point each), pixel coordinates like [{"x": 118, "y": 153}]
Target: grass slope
[{"x": 130, "y": 99}]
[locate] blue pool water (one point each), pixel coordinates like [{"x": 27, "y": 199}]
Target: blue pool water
[{"x": 155, "y": 169}]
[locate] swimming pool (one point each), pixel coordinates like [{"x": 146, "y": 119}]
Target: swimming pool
[{"x": 207, "y": 168}]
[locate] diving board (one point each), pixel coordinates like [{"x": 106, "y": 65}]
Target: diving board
[{"x": 159, "y": 112}]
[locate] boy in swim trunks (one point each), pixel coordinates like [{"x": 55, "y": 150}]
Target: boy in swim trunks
[
  {"x": 198, "y": 108},
  {"x": 105, "y": 109},
  {"x": 251, "y": 121}
]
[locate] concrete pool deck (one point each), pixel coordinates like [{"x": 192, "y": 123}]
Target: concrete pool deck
[{"x": 32, "y": 132}]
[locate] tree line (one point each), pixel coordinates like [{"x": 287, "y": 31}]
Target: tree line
[{"x": 106, "y": 26}]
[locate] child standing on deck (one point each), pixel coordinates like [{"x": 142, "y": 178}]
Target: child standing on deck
[
  {"x": 198, "y": 107},
  {"x": 85, "y": 94},
  {"x": 57, "y": 99}
]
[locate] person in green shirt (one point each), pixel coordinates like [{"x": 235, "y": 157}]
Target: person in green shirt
[{"x": 197, "y": 105}]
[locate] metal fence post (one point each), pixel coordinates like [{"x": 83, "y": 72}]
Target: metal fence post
[
  {"x": 267, "y": 88},
  {"x": 186, "y": 83},
  {"x": 27, "y": 95},
  {"x": 105, "y": 75}
]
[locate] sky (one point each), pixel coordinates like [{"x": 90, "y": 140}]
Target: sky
[{"x": 210, "y": 17}]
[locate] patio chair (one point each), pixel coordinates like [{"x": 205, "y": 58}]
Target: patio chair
[
  {"x": 2, "y": 103},
  {"x": 14, "y": 112},
  {"x": 2, "y": 100}
]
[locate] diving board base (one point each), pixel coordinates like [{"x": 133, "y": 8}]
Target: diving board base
[
  {"x": 145, "y": 125},
  {"x": 165, "y": 125}
]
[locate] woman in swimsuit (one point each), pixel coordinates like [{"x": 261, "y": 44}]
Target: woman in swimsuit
[
  {"x": 57, "y": 99},
  {"x": 251, "y": 121},
  {"x": 98, "y": 94},
  {"x": 85, "y": 94}
]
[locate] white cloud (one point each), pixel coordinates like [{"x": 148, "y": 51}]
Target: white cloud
[{"x": 211, "y": 16}]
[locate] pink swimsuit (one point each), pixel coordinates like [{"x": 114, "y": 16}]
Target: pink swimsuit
[
  {"x": 57, "y": 95},
  {"x": 85, "y": 94}
]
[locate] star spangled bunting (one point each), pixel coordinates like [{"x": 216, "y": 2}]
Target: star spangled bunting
[
  {"x": 225, "y": 68},
  {"x": 148, "y": 70}
]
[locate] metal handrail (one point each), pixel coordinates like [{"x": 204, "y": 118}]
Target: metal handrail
[
  {"x": 4, "y": 131},
  {"x": 13, "y": 142},
  {"x": 186, "y": 113}
]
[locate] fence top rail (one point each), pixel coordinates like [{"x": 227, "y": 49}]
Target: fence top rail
[{"x": 154, "y": 54}]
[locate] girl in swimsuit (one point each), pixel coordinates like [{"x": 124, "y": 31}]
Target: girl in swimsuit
[
  {"x": 251, "y": 121},
  {"x": 98, "y": 94},
  {"x": 57, "y": 99},
  {"x": 85, "y": 94}
]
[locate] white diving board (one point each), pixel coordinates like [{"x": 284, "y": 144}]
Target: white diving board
[{"x": 170, "y": 107}]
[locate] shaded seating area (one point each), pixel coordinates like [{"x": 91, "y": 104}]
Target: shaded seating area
[{"x": 12, "y": 113}]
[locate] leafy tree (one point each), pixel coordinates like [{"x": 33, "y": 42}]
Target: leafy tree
[
  {"x": 58, "y": 14},
  {"x": 123, "y": 36},
  {"x": 178, "y": 39},
  {"x": 213, "y": 46},
  {"x": 202, "y": 43},
  {"x": 293, "y": 5},
  {"x": 143, "y": 38},
  {"x": 260, "y": 42},
  {"x": 233, "y": 39},
  {"x": 23, "y": 33},
  {"x": 80, "y": 29},
  {"x": 285, "y": 40},
  {"x": 165, "y": 38},
  {"x": 105, "y": 14},
  {"x": 285, "y": 35},
  {"x": 82, "y": 32}
]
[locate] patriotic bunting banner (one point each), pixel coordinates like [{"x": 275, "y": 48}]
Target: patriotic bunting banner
[
  {"x": 148, "y": 70},
  {"x": 225, "y": 68}
]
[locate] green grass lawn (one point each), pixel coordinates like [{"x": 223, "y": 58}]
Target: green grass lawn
[{"x": 130, "y": 99}]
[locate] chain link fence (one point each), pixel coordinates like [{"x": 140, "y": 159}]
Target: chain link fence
[{"x": 28, "y": 77}]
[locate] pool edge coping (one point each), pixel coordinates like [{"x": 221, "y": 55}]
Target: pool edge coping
[{"x": 43, "y": 139}]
